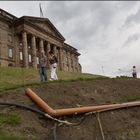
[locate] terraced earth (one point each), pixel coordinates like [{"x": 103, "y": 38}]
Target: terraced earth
[{"x": 121, "y": 124}]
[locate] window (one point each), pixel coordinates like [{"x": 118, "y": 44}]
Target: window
[
  {"x": 67, "y": 68},
  {"x": 37, "y": 60},
  {"x": 30, "y": 58},
  {"x": 20, "y": 44},
  {"x": 10, "y": 52},
  {"x": 10, "y": 38},
  {"x": 29, "y": 47},
  {"x": 10, "y": 65},
  {"x": 67, "y": 59},
  {"x": 20, "y": 55}
]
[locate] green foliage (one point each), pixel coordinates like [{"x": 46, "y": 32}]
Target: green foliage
[
  {"x": 132, "y": 97},
  {"x": 123, "y": 77},
  {"x": 79, "y": 79},
  {"x": 10, "y": 119}
]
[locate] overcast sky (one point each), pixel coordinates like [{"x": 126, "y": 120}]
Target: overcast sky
[{"x": 106, "y": 33}]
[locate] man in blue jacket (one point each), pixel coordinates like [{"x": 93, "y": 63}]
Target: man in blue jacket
[{"x": 43, "y": 66}]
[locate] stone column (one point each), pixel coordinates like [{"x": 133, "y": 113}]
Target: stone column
[
  {"x": 77, "y": 63},
  {"x": 65, "y": 60},
  {"x": 17, "y": 59},
  {"x": 41, "y": 46},
  {"x": 48, "y": 50},
  {"x": 25, "y": 49},
  {"x": 69, "y": 61},
  {"x": 60, "y": 59},
  {"x": 55, "y": 50},
  {"x": 73, "y": 62},
  {"x": 34, "y": 57},
  {"x": 56, "y": 53}
]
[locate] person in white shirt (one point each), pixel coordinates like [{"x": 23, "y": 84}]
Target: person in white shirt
[{"x": 53, "y": 61}]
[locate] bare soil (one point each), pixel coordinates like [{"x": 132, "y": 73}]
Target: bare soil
[{"x": 122, "y": 124}]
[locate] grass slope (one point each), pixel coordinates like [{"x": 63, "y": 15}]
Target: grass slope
[{"x": 12, "y": 78}]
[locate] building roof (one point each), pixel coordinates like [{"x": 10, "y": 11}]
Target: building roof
[
  {"x": 35, "y": 20},
  {"x": 7, "y": 16},
  {"x": 40, "y": 23},
  {"x": 70, "y": 48}
]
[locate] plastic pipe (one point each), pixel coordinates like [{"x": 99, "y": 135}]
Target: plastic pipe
[
  {"x": 40, "y": 102},
  {"x": 78, "y": 110}
]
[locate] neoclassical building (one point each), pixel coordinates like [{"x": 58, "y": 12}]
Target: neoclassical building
[{"x": 22, "y": 39}]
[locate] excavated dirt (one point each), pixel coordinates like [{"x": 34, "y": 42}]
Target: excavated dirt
[{"x": 122, "y": 124}]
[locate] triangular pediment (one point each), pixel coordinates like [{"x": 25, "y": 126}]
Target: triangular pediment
[{"x": 45, "y": 24}]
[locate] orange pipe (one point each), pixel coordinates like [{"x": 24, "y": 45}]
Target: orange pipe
[
  {"x": 78, "y": 110},
  {"x": 40, "y": 102}
]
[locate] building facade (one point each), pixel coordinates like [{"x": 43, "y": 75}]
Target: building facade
[{"x": 22, "y": 39}]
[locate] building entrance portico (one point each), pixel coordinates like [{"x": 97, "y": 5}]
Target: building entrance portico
[{"x": 31, "y": 48}]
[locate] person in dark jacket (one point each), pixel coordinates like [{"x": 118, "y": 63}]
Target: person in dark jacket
[
  {"x": 43, "y": 68},
  {"x": 134, "y": 72},
  {"x": 53, "y": 61}
]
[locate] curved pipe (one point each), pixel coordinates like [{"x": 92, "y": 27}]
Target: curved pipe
[
  {"x": 78, "y": 110},
  {"x": 40, "y": 102}
]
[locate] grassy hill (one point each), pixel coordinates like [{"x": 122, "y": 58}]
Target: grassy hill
[{"x": 12, "y": 78}]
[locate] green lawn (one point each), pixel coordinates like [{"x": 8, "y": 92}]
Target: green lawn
[
  {"x": 16, "y": 77},
  {"x": 11, "y": 119},
  {"x": 12, "y": 78}
]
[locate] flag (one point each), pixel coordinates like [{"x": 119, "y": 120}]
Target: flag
[{"x": 41, "y": 12}]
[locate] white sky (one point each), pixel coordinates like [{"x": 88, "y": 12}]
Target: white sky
[{"x": 106, "y": 33}]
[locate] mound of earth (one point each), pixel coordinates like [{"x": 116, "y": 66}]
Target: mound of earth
[{"x": 121, "y": 124}]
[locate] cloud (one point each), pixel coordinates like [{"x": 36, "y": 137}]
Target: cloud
[
  {"x": 21, "y": 8},
  {"x": 133, "y": 18},
  {"x": 131, "y": 39}
]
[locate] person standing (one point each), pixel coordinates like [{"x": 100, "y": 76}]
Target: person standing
[
  {"x": 53, "y": 61},
  {"x": 134, "y": 72},
  {"x": 43, "y": 67}
]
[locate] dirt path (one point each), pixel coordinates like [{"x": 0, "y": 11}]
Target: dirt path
[{"x": 117, "y": 125}]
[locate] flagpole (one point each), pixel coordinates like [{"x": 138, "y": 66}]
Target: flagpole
[{"x": 41, "y": 12}]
